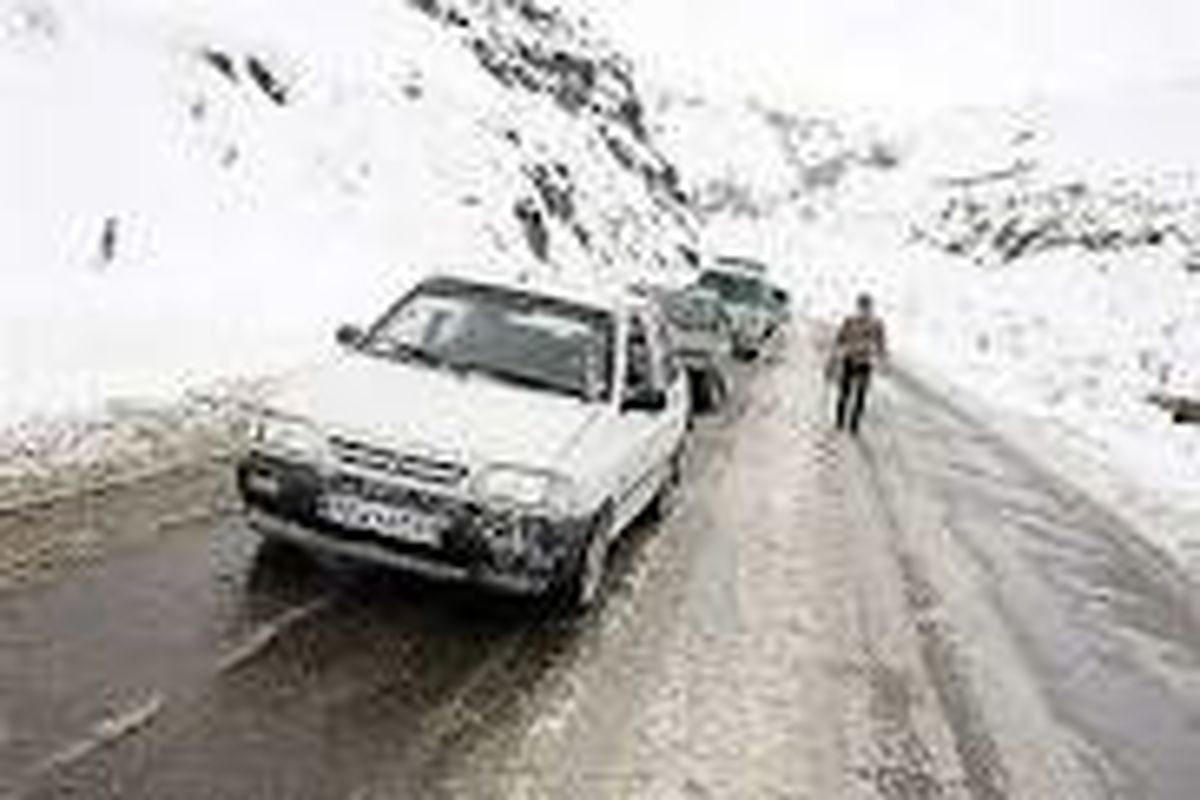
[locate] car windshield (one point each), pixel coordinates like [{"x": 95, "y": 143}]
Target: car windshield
[
  {"x": 690, "y": 312},
  {"x": 732, "y": 287},
  {"x": 530, "y": 340}
]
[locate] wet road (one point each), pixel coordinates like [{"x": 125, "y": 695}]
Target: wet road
[{"x": 923, "y": 613}]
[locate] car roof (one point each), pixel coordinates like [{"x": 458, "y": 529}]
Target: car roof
[
  {"x": 739, "y": 264},
  {"x": 733, "y": 270}
]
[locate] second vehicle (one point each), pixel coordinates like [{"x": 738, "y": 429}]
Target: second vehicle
[{"x": 755, "y": 308}]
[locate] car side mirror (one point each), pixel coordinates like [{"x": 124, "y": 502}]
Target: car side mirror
[
  {"x": 645, "y": 399},
  {"x": 350, "y": 335}
]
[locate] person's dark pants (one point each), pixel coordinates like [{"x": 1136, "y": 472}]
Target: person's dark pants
[{"x": 853, "y": 384}]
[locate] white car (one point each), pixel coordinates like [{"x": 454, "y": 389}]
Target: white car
[{"x": 487, "y": 432}]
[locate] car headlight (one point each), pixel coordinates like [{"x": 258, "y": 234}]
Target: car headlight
[
  {"x": 287, "y": 436},
  {"x": 524, "y": 488}
]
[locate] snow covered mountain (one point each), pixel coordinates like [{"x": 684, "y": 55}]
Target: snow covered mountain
[{"x": 199, "y": 190}]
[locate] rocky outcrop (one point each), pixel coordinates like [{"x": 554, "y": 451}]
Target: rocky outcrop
[
  {"x": 539, "y": 49},
  {"x": 1013, "y": 215}
]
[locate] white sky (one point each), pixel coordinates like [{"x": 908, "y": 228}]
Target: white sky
[{"x": 910, "y": 56}]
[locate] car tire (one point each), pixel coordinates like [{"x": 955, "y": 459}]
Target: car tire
[
  {"x": 746, "y": 353},
  {"x": 665, "y": 502},
  {"x": 703, "y": 391},
  {"x": 714, "y": 392},
  {"x": 583, "y": 586}
]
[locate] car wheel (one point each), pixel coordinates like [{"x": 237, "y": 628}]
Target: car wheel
[
  {"x": 702, "y": 391},
  {"x": 587, "y": 579},
  {"x": 695, "y": 382},
  {"x": 714, "y": 392},
  {"x": 747, "y": 353},
  {"x": 667, "y": 499}
]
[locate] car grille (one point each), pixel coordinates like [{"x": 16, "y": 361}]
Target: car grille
[
  {"x": 391, "y": 494},
  {"x": 381, "y": 459}
]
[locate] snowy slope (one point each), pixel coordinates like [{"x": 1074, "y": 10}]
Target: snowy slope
[
  {"x": 195, "y": 191},
  {"x": 1082, "y": 297}
]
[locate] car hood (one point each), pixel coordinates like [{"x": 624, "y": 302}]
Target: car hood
[
  {"x": 469, "y": 417},
  {"x": 742, "y": 311},
  {"x": 699, "y": 341}
]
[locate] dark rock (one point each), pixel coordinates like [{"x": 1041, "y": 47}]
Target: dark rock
[
  {"x": 108, "y": 241},
  {"x": 1187, "y": 413},
  {"x": 267, "y": 81},
  {"x": 533, "y": 223},
  {"x": 221, "y": 61},
  {"x": 1183, "y": 410}
]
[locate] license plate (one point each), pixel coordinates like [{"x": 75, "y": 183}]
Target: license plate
[{"x": 403, "y": 524}]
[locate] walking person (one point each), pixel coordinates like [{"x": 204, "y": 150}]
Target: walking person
[{"x": 860, "y": 344}]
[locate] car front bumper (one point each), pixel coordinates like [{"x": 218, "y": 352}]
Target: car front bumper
[
  {"x": 507, "y": 551},
  {"x": 280, "y": 529}
]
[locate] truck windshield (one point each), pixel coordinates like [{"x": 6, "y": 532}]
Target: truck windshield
[
  {"x": 732, "y": 287},
  {"x": 526, "y": 339}
]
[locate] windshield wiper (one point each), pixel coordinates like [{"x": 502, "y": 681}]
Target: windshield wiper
[{"x": 407, "y": 352}]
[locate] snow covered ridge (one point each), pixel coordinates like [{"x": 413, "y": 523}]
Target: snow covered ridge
[
  {"x": 1111, "y": 173},
  {"x": 197, "y": 193},
  {"x": 1001, "y": 217},
  {"x": 539, "y": 49}
]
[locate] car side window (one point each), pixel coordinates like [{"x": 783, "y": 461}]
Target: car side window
[{"x": 639, "y": 367}]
